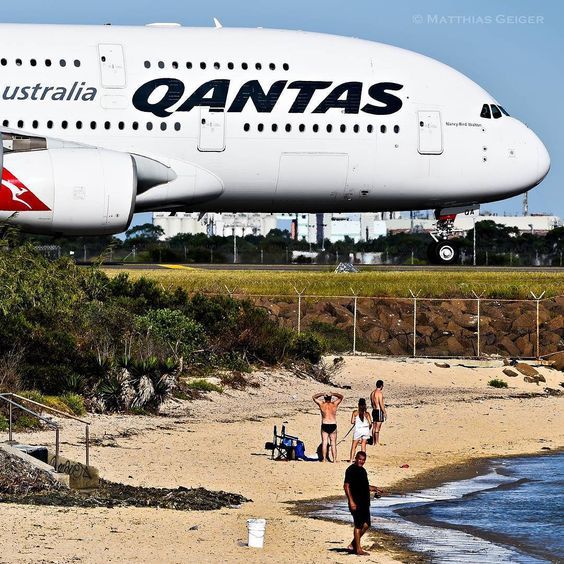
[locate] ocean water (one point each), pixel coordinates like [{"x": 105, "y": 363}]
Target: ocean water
[{"x": 513, "y": 513}]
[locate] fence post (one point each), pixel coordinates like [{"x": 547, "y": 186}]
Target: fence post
[
  {"x": 538, "y": 299},
  {"x": 478, "y": 297},
  {"x": 414, "y": 320},
  {"x": 299, "y": 308},
  {"x": 10, "y": 439},
  {"x": 87, "y": 438},
  {"x": 354, "y": 320},
  {"x": 57, "y": 443}
]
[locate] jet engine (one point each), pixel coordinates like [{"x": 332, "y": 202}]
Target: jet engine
[{"x": 53, "y": 187}]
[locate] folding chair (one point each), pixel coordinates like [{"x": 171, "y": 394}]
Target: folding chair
[{"x": 282, "y": 445}]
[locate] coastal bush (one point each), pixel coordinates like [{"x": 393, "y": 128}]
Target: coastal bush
[
  {"x": 497, "y": 383},
  {"x": 4, "y": 424},
  {"x": 307, "y": 346},
  {"x": 202, "y": 385},
  {"x": 333, "y": 338},
  {"x": 75, "y": 403}
]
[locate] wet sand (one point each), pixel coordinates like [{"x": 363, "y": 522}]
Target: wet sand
[{"x": 438, "y": 418}]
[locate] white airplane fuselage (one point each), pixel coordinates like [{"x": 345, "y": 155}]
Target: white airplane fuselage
[{"x": 242, "y": 120}]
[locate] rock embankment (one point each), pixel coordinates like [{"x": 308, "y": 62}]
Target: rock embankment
[{"x": 443, "y": 327}]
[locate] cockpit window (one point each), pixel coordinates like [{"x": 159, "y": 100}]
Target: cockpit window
[
  {"x": 503, "y": 111},
  {"x": 496, "y": 112},
  {"x": 486, "y": 112}
]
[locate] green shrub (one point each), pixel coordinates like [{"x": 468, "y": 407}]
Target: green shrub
[
  {"x": 75, "y": 403},
  {"x": 334, "y": 339},
  {"x": 497, "y": 383},
  {"x": 202, "y": 385},
  {"x": 307, "y": 346},
  {"x": 4, "y": 425}
]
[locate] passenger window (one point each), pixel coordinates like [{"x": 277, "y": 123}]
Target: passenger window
[
  {"x": 107, "y": 125},
  {"x": 149, "y": 126},
  {"x": 135, "y": 125},
  {"x": 272, "y": 66},
  {"x": 369, "y": 128},
  {"x": 64, "y": 124},
  {"x": 315, "y": 128},
  {"x": 485, "y": 113},
  {"x": 19, "y": 62},
  {"x": 286, "y": 66},
  {"x": 79, "y": 125},
  {"x": 76, "y": 63},
  {"x": 244, "y": 66},
  {"x": 216, "y": 66},
  {"x": 274, "y": 127},
  {"x": 260, "y": 127},
  {"x": 396, "y": 128},
  {"x": 3, "y": 62},
  {"x": 163, "y": 126},
  {"x": 63, "y": 63},
  {"x": 47, "y": 62},
  {"x": 49, "y": 124},
  {"x": 258, "y": 66},
  {"x": 356, "y": 128},
  {"x": 230, "y": 66},
  {"x": 343, "y": 128},
  {"x": 203, "y": 66},
  {"x": 246, "y": 127},
  {"x": 6, "y": 123},
  {"x": 92, "y": 125},
  {"x": 174, "y": 64},
  {"x": 188, "y": 65},
  {"x": 329, "y": 128},
  {"x": 288, "y": 127},
  {"x": 161, "y": 65},
  {"x": 382, "y": 129},
  {"x": 147, "y": 65},
  {"x": 302, "y": 127},
  {"x": 496, "y": 113},
  {"x": 176, "y": 126},
  {"x": 33, "y": 62},
  {"x": 21, "y": 123},
  {"x": 35, "y": 124},
  {"x": 121, "y": 125}
]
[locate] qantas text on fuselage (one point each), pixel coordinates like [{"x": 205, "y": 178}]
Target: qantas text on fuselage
[{"x": 99, "y": 122}]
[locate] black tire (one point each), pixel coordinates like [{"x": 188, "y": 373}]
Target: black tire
[
  {"x": 432, "y": 253},
  {"x": 447, "y": 253}
]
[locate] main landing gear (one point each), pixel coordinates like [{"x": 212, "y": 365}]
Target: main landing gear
[{"x": 443, "y": 250}]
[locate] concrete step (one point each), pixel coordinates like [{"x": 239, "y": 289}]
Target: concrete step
[{"x": 32, "y": 461}]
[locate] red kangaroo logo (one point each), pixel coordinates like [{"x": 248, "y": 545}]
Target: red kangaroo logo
[{"x": 16, "y": 196}]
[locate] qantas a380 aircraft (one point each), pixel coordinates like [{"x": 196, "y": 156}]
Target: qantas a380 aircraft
[{"x": 99, "y": 122}]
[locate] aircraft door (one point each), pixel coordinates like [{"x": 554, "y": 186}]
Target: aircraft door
[
  {"x": 112, "y": 66},
  {"x": 212, "y": 129},
  {"x": 430, "y": 133}
]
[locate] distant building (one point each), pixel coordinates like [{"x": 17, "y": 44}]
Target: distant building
[{"x": 316, "y": 228}]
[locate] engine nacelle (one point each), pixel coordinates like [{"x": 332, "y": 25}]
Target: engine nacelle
[{"x": 67, "y": 190}]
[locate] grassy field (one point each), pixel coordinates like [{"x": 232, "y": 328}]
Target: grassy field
[{"x": 508, "y": 285}]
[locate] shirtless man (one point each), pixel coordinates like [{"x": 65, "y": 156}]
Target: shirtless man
[
  {"x": 379, "y": 413},
  {"x": 328, "y": 407}
]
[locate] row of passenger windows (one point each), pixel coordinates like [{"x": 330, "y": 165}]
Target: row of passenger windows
[
  {"x": 315, "y": 128},
  {"x": 216, "y": 65},
  {"x": 35, "y": 62},
  {"x": 121, "y": 125}
]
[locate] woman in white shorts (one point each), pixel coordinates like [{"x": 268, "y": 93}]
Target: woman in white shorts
[{"x": 362, "y": 422}]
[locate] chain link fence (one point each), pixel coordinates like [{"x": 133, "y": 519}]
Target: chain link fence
[{"x": 424, "y": 327}]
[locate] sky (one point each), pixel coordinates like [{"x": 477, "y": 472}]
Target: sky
[{"x": 513, "y": 48}]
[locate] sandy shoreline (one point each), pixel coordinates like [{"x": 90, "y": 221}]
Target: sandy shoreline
[{"x": 439, "y": 418}]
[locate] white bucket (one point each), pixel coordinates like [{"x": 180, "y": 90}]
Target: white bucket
[{"x": 256, "y": 529}]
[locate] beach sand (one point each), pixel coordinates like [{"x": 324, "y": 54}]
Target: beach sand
[{"x": 437, "y": 418}]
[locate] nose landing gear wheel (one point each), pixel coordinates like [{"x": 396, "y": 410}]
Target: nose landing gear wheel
[{"x": 444, "y": 253}]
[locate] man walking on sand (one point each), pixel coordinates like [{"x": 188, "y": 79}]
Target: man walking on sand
[
  {"x": 328, "y": 407},
  {"x": 358, "y": 491},
  {"x": 378, "y": 411}
]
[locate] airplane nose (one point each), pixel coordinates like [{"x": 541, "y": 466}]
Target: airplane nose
[{"x": 543, "y": 161}]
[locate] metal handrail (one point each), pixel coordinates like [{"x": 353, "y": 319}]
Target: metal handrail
[{"x": 47, "y": 421}]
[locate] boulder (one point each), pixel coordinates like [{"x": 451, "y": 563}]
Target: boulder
[
  {"x": 525, "y": 322},
  {"x": 556, "y": 323},
  {"x": 377, "y": 335},
  {"x": 454, "y": 347},
  {"x": 425, "y": 330},
  {"x": 442, "y": 364},
  {"x": 526, "y": 369},
  {"x": 466, "y": 320},
  {"x": 525, "y": 346},
  {"x": 558, "y": 361},
  {"x": 530, "y": 380},
  {"x": 507, "y": 344},
  {"x": 510, "y": 373},
  {"x": 396, "y": 348}
]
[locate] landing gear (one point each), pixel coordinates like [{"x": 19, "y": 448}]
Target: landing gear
[{"x": 443, "y": 250}]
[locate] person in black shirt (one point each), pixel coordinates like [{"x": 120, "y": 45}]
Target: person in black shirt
[{"x": 358, "y": 491}]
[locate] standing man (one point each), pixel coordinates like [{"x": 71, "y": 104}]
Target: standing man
[
  {"x": 358, "y": 491},
  {"x": 328, "y": 407},
  {"x": 379, "y": 414}
]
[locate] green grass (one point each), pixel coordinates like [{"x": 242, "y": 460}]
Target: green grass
[
  {"x": 497, "y": 383},
  {"x": 202, "y": 385},
  {"x": 431, "y": 284}
]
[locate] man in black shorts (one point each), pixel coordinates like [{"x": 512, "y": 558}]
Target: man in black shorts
[
  {"x": 358, "y": 491},
  {"x": 328, "y": 408}
]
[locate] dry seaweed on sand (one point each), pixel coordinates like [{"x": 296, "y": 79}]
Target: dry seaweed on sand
[{"x": 24, "y": 484}]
